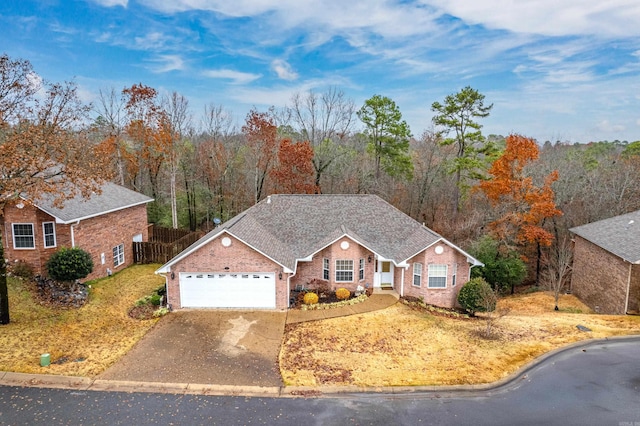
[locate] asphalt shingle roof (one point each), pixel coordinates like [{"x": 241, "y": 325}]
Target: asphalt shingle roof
[
  {"x": 290, "y": 227},
  {"x": 112, "y": 198},
  {"x": 619, "y": 235}
]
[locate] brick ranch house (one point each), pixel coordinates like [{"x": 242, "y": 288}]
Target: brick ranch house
[
  {"x": 255, "y": 259},
  {"x": 105, "y": 225},
  {"x": 606, "y": 264}
]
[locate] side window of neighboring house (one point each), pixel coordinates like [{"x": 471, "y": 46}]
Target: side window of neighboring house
[
  {"x": 417, "y": 274},
  {"x": 344, "y": 270},
  {"x": 23, "y": 236},
  {"x": 49, "y": 233},
  {"x": 437, "y": 276},
  {"x": 361, "y": 270},
  {"x": 118, "y": 255},
  {"x": 325, "y": 269}
]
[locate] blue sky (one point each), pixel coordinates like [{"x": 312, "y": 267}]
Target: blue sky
[{"x": 554, "y": 69}]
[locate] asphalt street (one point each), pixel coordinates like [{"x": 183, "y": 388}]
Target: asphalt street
[{"x": 597, "y": 384}]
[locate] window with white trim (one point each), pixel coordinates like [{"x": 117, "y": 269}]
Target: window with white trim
[
  {"x": 344, "y": 270},
  {"x": 437, "y": 276},
  {"x": 417, "y": 274},
  {"x": 49, "y": 234},
  {"x": 118, "y": 255},
  {"x": 23, "y": 236},
  {"x": 454, "y": 273},
  {"x": 325, "y": 269},
  {"x": 361, "y": 270}
]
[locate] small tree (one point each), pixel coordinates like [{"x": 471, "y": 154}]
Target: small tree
[
  {"x": 477, "y": 296},
  {"x": 69, "y": 264},
  {"x": 559, "y": 262},
  {"x": 503, "y": 268}
]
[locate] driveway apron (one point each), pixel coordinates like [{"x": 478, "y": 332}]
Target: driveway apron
[{"x": 222, "y": 347}]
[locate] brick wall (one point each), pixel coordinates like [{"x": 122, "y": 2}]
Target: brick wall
[
  {"x": 308, "y": 271},
  {"x": 445, "y": 297},
  {"x": 237, "y": 257},
  {"x": 95, "y": 235},
  {"x": 599, "y": 278}
]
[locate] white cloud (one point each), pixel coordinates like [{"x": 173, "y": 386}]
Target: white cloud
[
  {"x": 168, "y": 63},
  {"x": 607, "y": 127},
  {"x": 236, "y": 76},
  {"x": 111, "y": 3},
  {"x": 549, "y": 17},
  {"x": 284, "y": 70}
]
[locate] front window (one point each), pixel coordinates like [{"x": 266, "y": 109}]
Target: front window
[
  {"x": 23, "y": 237},
  {"x": 49, "y": 232},
  {"x": 454, "y": 274},
  {"x": 344, "y": 270},
  {"x": 361, "y": 271},
  {"x": 417, "y": 274},
  {"x": 437, "y": 276},
  {"x": 325, "y": 269},
  {"x": 118, "y": 255}
]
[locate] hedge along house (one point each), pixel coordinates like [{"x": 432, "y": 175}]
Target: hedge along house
[
  {"x": 104, "y": 225},
  {"x": 606, "y": 264},
  {"x": 284, "y": 242}
]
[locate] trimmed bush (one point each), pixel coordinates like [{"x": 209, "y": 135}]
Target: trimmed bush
[
  {"x": 343, "y": 294},
  {"x": 310, "y": 299},
  {"x": 477, "y": 296},
  {"x": 69, "y": 264}
]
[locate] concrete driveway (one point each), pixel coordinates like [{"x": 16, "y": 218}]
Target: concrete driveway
[{"x": 209, "y": 347}]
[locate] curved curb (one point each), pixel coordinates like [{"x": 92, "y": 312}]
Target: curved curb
[{"x": 506, "y": 384}]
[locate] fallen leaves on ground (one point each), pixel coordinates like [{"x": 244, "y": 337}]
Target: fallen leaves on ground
[
  {"x": 81, "y": 342},
  {"x": 403, "y": 346}
]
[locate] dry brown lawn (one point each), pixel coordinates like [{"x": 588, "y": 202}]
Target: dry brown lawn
[
  {"x": 404, "y": 346},
  {"x": 81, "y": 342}
]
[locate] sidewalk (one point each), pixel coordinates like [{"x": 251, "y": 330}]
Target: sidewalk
[{"x": 380, "y": 299}]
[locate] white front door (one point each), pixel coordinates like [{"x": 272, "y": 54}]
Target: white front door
[{"x": 384, "y": 274}]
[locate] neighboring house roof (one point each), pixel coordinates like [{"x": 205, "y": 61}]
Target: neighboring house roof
[
  {"x": 288, "y": 228},
  {"x": 619, "y": 235},
  {"x": 112, "y": 198}
]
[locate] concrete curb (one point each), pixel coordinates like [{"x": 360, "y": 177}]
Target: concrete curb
[{"x": 86, "y": 384}]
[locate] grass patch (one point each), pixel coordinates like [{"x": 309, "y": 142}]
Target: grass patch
[
  {"x": 402, "y": 346},
  {"x": 81, "y": 342}
]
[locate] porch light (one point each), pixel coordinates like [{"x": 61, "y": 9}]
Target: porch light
[
  {"x": 279, "y": 275},
  {"x": 369, "y": 258}
]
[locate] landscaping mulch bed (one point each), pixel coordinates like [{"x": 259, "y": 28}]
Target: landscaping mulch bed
[{"x": 418, "y": 304}]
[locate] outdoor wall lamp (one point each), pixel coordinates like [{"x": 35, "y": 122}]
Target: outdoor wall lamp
[
  {"x": 279, "y": 275},
  {"x": 369, "y": 258},
  {"x": 173, "y": 275}
]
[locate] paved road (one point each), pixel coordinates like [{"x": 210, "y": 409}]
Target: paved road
[{"x": 594, "y": 385}]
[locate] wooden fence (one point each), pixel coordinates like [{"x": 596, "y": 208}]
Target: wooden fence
[{"x": 163, "y": 245}]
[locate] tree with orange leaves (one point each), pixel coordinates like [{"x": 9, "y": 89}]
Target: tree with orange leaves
[
  {"x": 42, "y": 147},
  {"x": 295, "y": 173},
  {"x": 262, "y": 139},
  {"x": 522, "y": 207}
]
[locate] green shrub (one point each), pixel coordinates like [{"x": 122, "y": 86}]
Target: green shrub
[
  {"x": 477, "y": 296},
  {"x": 342, "y": 294},
  {"x": 69, "y": 264},
  {"x": 155, "y": 299},
  {"x": 310, "y": 299}
]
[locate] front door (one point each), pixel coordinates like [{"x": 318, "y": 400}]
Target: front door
[{"x": 384, "y": 274}]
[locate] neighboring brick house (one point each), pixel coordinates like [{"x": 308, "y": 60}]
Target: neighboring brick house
[
  {"x": 606, "y": 264},
  {"x": 286, "y": 241},
  {"x": 105, "y": 225}
]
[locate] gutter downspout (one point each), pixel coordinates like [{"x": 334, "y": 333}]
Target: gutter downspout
[
  {"x": 73, "y": 239},
  {"x": 406, "y": 268},
  {"x": 626, "y": 300}
]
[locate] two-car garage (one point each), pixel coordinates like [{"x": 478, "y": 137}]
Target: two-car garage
[{"x": 227, "y": 290}]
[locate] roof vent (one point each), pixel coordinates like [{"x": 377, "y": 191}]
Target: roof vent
[{"x": 269, "y": 199}]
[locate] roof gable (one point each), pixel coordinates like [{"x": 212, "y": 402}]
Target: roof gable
[{"x": 619, "y": 235}]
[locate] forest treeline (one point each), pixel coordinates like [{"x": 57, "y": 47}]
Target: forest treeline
[{"x": 199, "y": 166}]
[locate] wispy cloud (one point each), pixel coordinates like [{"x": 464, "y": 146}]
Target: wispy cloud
[
  {"x": 284, "y": 70},
  {"x": 236, "y": 77},
  {"x": 112, "y": 3},
  {"x": 166, "y": 63}
]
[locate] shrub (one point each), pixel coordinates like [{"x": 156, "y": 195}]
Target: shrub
[
  {"x": 310, "y": 299},
  {"x": 69, "y": 264},
  {"x": 342, "y": 294},
  {"x": 155, "y": 299},
  {"x": 477, "y": 296}
]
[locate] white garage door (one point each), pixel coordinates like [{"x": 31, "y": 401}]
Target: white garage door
[{"x": 225, "y": 290}]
